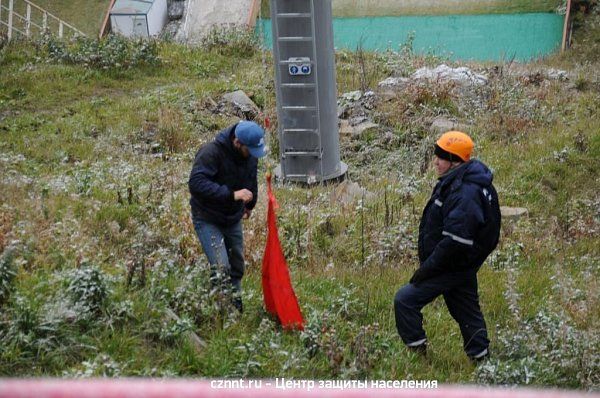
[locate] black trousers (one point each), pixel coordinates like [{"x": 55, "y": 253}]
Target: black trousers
[{"x": 460, "y": 294}]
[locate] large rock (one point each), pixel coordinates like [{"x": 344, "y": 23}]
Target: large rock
[
  {"x": 394, "y": 82},
  {"x": 557, "y": 74},
  {"x": 242, "y": 104},
  {"x": 349, "y": 192},
  {"x": 352, "y": 96},
  {"x": 513, "y": 213},
  {"x": 347, "y": 128},
  {"x": 388, "y": 89},
  {"x": 440, "y": 125},
  {"x": 462, "y": 76}
]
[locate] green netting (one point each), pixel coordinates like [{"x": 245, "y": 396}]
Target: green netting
[{"x": 490, "y": 37}]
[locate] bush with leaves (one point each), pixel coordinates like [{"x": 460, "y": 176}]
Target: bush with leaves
[
  {"x": 26, "y": 335},
  {"x": 231, "y": 41},
  {"x": 171, "y": 331},
  {"x": 87, "y": 288},
  {"x": 111, "y": 52},
  {"x": 202, "y": 294},
  {"x": 253, "y": 354},
  {"x": 102, "y": 366},
  {"x": 546, "y": 350},
  {"x": 7, "y": 275}
]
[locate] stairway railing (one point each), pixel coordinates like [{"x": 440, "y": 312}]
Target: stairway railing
[{"x": 22, "y": 18}]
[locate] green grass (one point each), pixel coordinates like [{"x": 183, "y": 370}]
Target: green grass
[
  {"x": 85, "y": 15},
  {"x": 94, "y": 167},
  {"x": 359, "y": 8}
]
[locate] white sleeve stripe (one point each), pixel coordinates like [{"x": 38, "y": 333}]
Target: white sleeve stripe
[
  {"x": 416, "y": 343},
  {"x": 438, "y": 202},
  {"x": 481, "y": 354},
  {"x": 458, "y": 238}
]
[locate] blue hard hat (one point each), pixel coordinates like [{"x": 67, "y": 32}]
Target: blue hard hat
[{"x": 251, "y": 135}]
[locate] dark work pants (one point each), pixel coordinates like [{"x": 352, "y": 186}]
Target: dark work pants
[{"x": 460, "y": 293}]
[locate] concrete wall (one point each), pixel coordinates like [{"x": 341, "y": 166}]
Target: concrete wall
[{"x": 157, "y": 17}]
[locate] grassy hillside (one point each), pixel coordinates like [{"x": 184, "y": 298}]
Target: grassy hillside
[
  {"x": 85, "y": 15},
  {"x": 94, "y": 159}
]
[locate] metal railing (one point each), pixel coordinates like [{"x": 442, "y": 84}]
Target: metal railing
[{"x": 22, "y": 18}]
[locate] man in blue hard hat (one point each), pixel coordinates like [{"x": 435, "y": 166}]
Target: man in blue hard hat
[{"x": 223, "y": 188}]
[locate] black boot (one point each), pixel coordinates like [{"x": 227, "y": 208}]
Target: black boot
[
  {"x": 420, "y": 349},
  {"x": 237, "y": 303},
  {"x": 485, "y": 354}
]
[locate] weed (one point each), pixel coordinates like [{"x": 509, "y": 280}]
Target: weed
[
  {"x": 173, "y": 330},
  {"x": 88, "y": 289},
  {"x": 231, "y": 41},
  {"x": 102, "y": 366},
  {"x": 367, "y": 349},
  {"x": 7, "y": 275},
  {"x": 254, "y": 352},
  {"x": 545, "y": 350},
  {"x": 171, "y": 131},
  {"x": 112, "y": 52}
]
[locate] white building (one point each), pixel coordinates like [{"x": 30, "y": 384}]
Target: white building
[{"x": 138, "y": 18}]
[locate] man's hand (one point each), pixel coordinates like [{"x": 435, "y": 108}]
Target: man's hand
[
  {"x": 243, "y": 195},
  {"x": 247, "y": 213}
]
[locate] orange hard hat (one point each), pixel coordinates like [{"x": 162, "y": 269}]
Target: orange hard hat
[{"x": 456, "y": 143}]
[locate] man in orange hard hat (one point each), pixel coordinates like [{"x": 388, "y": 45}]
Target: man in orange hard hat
[{"x": 460, "y": 227}]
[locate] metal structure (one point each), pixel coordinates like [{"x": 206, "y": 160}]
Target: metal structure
[
  {"x": 22, "y": 18},
  {"x": 306, "y": 91},
  {"x": 138, "y": 18}
]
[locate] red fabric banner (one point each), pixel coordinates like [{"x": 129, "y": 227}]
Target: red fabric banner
[{"x": 280, "y": 299}]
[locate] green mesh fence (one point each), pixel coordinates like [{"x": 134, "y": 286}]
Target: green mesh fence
[{"x": 491, "y": 37}]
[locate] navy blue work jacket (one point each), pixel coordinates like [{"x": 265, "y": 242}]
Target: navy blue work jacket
[
  {"x": 219, "y": 170},
  {"x": 461, "y": 222}
]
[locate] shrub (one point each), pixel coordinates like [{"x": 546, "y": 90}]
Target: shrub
[
  {"x": 254, "y": 353},
  {"x": 545, "y": 350},
  {"x": 102, "y": 366},
  {"x": 202, "y": 294},
  {"x": 7, "y": 275},
  {"x": 87, "y": 288},
  {"x": 111, "y": 52},
  {"x": 25, "y": 335},
  {"x": 231, "y": 41},
  {"x": 171, "y": 131}
]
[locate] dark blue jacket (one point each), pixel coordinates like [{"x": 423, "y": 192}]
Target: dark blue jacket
[
  {"x": 461, "y": 222},
  {"x": 219, "y": 170}
]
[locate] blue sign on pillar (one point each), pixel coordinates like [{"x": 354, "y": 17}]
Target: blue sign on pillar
[{"x": 299, "y": 66}]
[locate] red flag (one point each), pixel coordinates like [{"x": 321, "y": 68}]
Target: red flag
[{"x": 278, "y": 292}]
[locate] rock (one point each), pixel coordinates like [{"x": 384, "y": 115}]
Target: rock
[
  {"x": 463, "y": 75},
  {"x": 440, "y": 125},
  {"x": 342, "y": 111},
  {"x": 348, "y": 192},
  {"x": 347, "y": 127},
  {"x": 364, "y": 127},
  {"x": 557, "y": 74},
  {"x": 392, "y": 82},
  {"x": 175, "y": 10},
  {"x": 170, "y": 30},
  {"x": 244, "y": 106},
  {"x": 389, "y": 88},
  {"x": 352, "y": 96},
  {"x": 513, "y": 213},
  {"x": 356, "y": 120}
]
